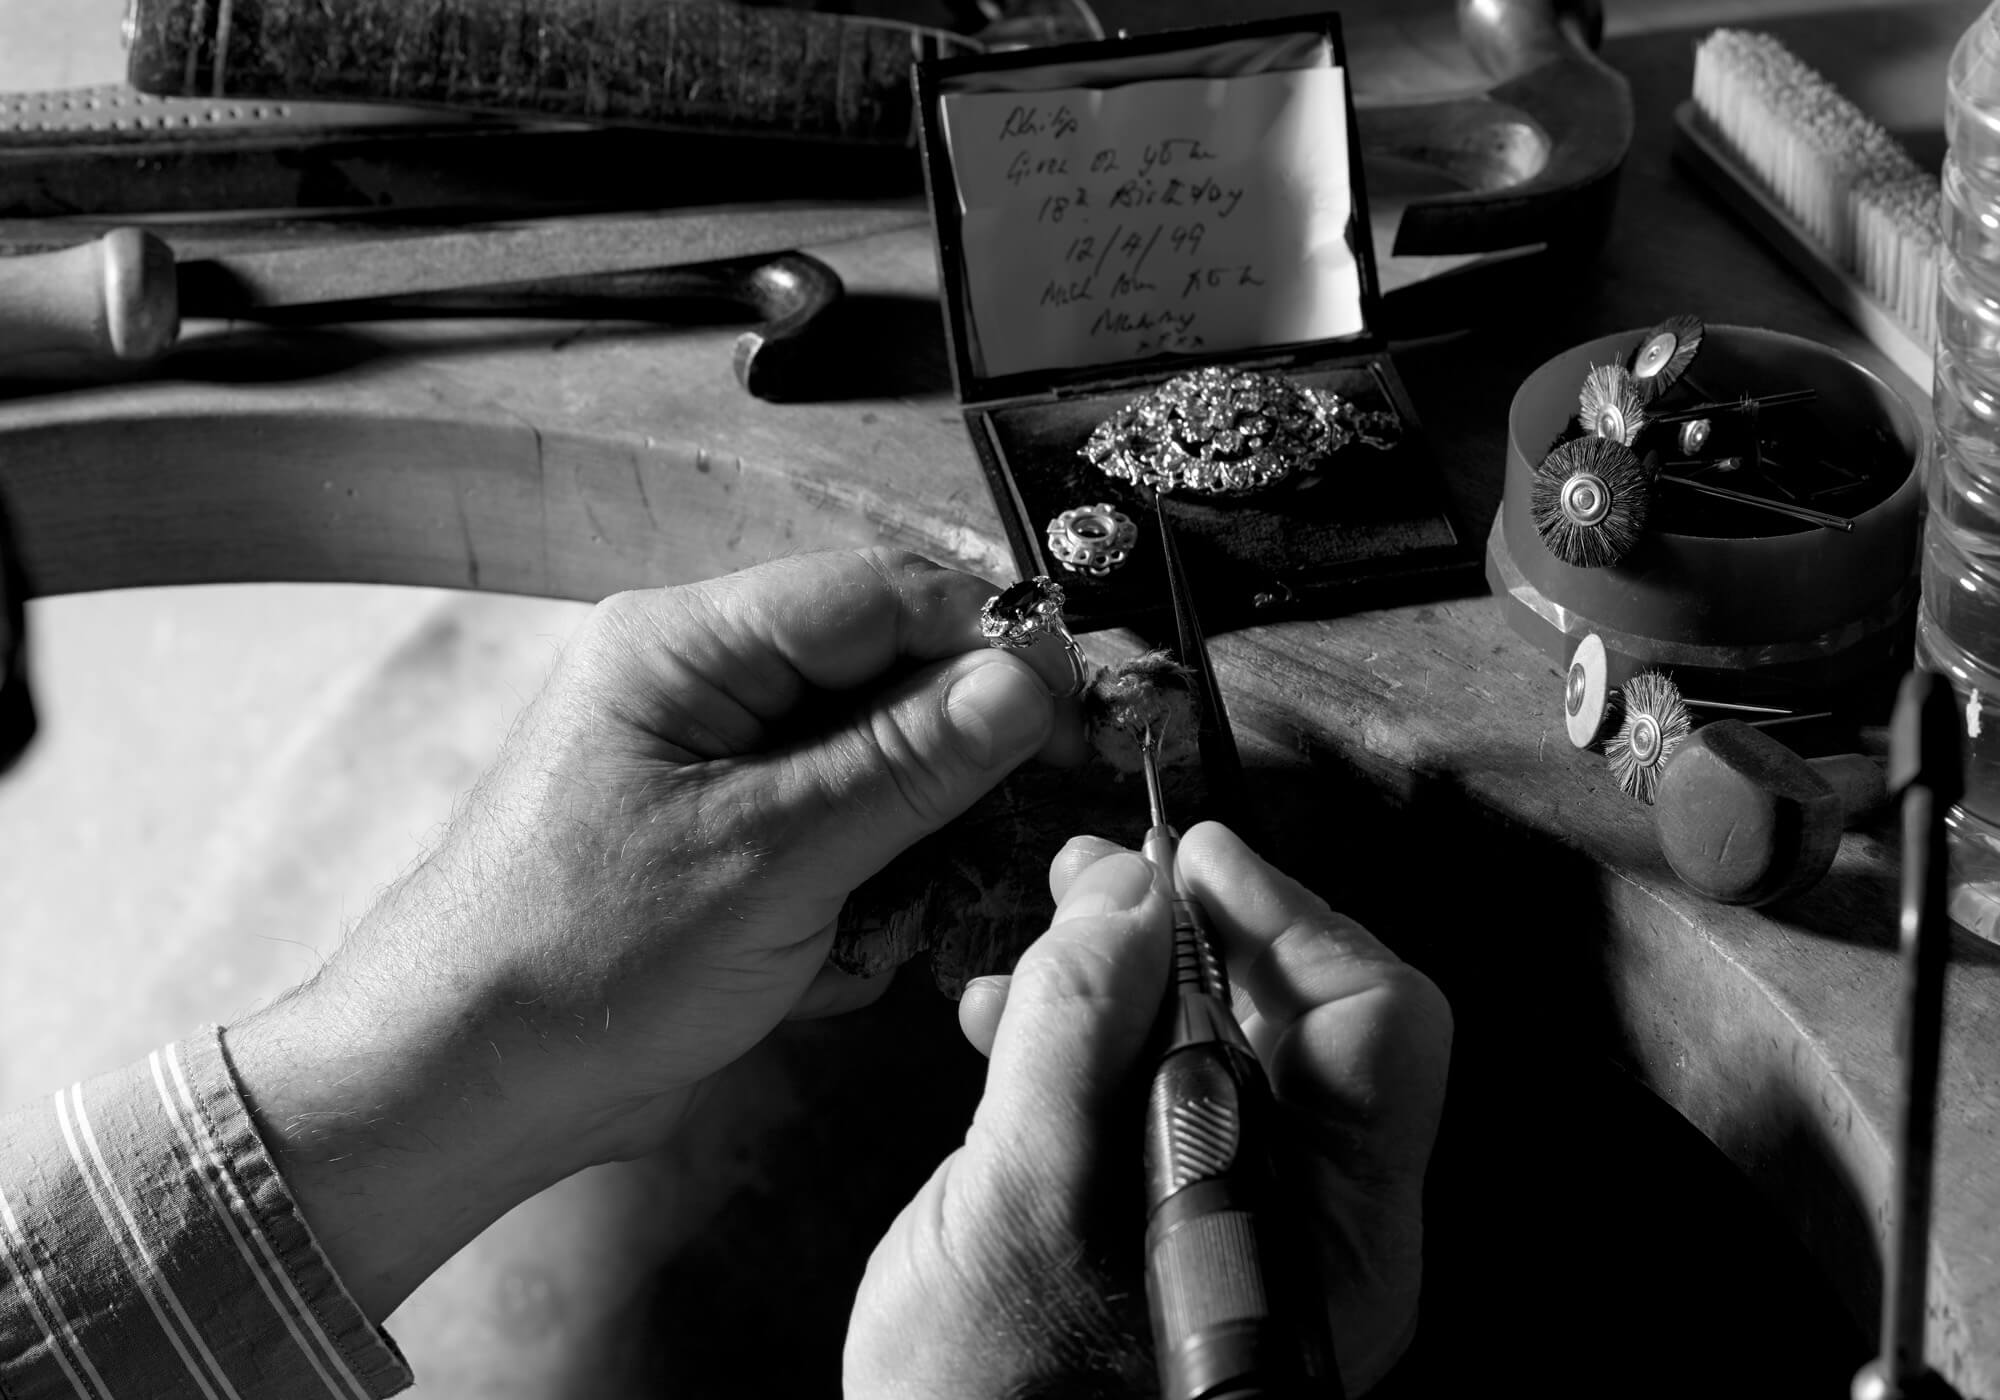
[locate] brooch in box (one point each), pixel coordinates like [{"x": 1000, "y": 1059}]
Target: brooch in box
[{"x": 1160, "y": 292}]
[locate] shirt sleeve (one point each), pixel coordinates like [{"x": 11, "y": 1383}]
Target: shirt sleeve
[{"x": 150, "y": 1248}]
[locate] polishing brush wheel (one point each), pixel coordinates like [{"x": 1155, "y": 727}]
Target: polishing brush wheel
[
  {"x": 1589, "y": 702},
  {"x": 1656, "y": 721},
  {"x": 1664, "y": 355},
  {"x": 1610, "y": 404},
  {"x": 1590, "y": 501}
]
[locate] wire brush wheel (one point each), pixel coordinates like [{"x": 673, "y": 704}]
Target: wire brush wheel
[
  {"x": 1611, "y": 405},
  {"x": 1656, "y": 721},
  {"x": 1590, "y": 501},
  {"x": 1665, "y": 355}
]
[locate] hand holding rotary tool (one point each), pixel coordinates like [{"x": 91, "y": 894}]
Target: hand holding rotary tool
[
  {"x": 1236, "y": 1306},
  {"x": 1018, "y": 1265}
]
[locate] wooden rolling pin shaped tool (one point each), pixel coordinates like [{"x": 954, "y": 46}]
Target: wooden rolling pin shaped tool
[
  {"x": 120, "y": 298},
  {"x": 117, "y": 298},
  {"x": 1745, "y": 820}
]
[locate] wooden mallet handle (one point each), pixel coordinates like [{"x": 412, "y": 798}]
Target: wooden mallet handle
[
  {"x": 1744, "y": 820},
  {"x": 115, "y": 299}
]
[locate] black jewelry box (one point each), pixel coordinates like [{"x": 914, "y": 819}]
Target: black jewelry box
[{"x": 1112, "y": 214}]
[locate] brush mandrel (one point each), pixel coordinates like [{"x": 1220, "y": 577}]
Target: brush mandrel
[
  {"x": 1593, "y": 707},
  {"x": 1654, "y": 725},
  {"x": 1150, "y": 694},
  {"x": 1590, "y": 500}
]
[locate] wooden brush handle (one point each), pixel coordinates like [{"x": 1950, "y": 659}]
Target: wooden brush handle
[
  {"x": 686, "y": 63},
  {"x": 1856, "y": 780},
  {"x": 114, "y": 298}
]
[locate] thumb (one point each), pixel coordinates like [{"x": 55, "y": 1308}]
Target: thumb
[
  {"x": 911, "y": 759},
  {"x": 1080, "y": 1008}
]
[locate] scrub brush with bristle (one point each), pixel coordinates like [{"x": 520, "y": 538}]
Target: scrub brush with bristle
[{"x": 1855, "y": 199}]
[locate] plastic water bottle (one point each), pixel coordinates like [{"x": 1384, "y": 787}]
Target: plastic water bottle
[{"x": 1958, "y": 622}]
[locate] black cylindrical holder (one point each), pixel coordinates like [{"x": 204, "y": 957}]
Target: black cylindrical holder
[{"x": 1772, "y": 602}]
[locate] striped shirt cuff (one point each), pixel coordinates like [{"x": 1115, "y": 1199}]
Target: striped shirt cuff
[{"x": 149, "y": 1247}]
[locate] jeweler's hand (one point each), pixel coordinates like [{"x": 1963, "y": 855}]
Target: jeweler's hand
[
  {"x": 1016, "y": 1270},
  {"x": 640, "y": 890}
]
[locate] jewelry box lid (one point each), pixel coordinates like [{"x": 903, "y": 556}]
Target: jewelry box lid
[{"x": 1132, "y": 207}]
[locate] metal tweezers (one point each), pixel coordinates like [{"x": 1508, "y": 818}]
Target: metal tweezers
[{"x": 1221, "y": 766}]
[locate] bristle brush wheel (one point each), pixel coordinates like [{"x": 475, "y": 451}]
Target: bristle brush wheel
[
  {"x": 1610, "y": 405},
  {"x": 1589, "y": 502},
  {"x": 1664, "y": 355},
  {"x": 1655, "y": 723}
]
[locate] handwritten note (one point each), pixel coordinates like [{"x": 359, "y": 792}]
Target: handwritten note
[{"x": 1181, "y": 215}]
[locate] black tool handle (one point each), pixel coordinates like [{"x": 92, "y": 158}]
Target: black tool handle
[
  {"x": 1926, "y": 770},
  {"x": 1235, "y": 1314},
  {"x": 1237, "y": 1307},
  {"x": 17, "y": 708},
  {"x": 792, "y": 294}
]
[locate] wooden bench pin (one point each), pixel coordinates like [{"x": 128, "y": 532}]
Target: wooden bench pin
[{"x": 1745, "y": 820}]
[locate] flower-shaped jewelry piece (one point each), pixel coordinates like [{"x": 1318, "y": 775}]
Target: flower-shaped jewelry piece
[
  {"x": 1092, "y": 539},
  {"x": 1019, "y": 617},
  {"x": 1225, "y": 432}
]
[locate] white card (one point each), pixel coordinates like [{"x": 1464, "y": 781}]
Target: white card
[{"x": 1176, "y": 216}]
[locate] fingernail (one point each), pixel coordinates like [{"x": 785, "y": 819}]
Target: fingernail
[
  {"x": 1110, "y": 886},
  {"x": 999, "y": 712}
]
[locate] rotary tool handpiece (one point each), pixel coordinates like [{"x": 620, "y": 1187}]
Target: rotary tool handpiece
[{"x": 1235, "y": 1313}]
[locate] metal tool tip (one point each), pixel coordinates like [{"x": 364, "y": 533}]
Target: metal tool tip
[{"x": 1149, "y": 758}]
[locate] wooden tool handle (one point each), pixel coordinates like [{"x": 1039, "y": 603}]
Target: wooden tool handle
[
  {"x": 112, "y": 299},
  {"x": 1856, "y": 780},
  {"x": 790, "y": 293},
  {"x": 686, "y": 63}
]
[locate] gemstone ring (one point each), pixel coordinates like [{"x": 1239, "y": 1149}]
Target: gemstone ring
[{"x": 1019, "y": 617}]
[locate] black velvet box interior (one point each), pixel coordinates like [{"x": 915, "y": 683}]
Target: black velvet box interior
[{"x": 1366, "y": 527}]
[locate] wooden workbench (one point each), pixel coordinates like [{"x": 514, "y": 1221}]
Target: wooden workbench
[{"x": 1415, "y": 756}]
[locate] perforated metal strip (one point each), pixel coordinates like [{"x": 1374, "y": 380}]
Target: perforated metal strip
[{"x": 114, "y": 113}]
